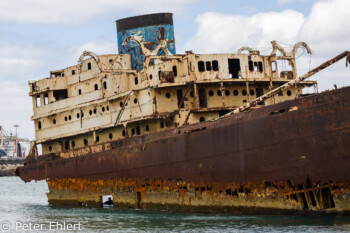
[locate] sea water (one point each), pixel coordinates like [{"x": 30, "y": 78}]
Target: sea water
[{"x": 24, "y": 208}]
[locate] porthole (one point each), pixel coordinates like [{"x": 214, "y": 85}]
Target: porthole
[
  {"x": 167, "y": 95},
  {"x": 103, "y": 109},
  {"x": 90, "y": 112},
  {"x": 78, "y": 115},
  {"x": 107, "y": 108},
  {"x": 104, "y": 85},
  {"x": 110, "y": 136},
  {"x": 201, "y": 119},
  {"x": 244, "y": 92},
  {"x": 82, "y": 114},
  {"x": 235, "y": 93},
  {"x": 50, "y": 148},
  {"x": 65, "y": 118},
  {"x": 219, "y": 93},
  {"x": 96, "y": 87},
  {"x": 123, "y": 133},
  {"x": 95, "y": 111},
  {"x": 54, "y": 121},
  {"x": 86, "y": 142},
  {"x": 289, "y": 93},
  {"x": 251, "y": 92},
  {"x": 121, "y": 104},
  {"x": 227, "y": 92},
  {"x": 150, "y": 76},
  {"x": 135, "y": 101},
  {"x": 211, "y": 93},
  {"x": 69, "y": 117}
]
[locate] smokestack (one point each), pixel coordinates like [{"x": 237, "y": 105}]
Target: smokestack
[{"x": 151, "y": 28}]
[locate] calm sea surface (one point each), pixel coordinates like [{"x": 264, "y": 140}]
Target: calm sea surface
[{"x": 24, "y": 206}]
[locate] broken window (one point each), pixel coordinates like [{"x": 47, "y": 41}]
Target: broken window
[
  {"x": 123, "y": 133},
  {"x": 79, "y": 91},
  {"x": 66, "y": 145},
  {"x": 86, "y": 142},
  {"x": 73, "y": 72},
  {"x": 50, "y": 148},
  {"x": 150, "y": 76},
  {"x": 138, "y": 131},
  {"x": 110, "y": 136},
  {"x": 219, "y": 93},
  {"x": 208, "y": 65},
  {"x": 273, "y": 66},
  {"x": 39, "y": 124},
  {"x": 46, "y": 98},
  {"x": 54, "y": 121},
  {"x": 250, "y": 64},
  {"x": 161, "y": 124},
  {"x": 97, "y": 138},
  {"x": 38, "y": 102},
  {"x": 132, "y": 131},
  {"x": 201, "y": 66},
  {"x": 244, "y": 92},
  {"x": 73, "y": 144},
  {"x": 136, "y": 81},
  {"x": 234, "y": 68},
  {"x": 175, "y": 71},
  {"x": 251, "y": 92},
  {"x": 215, "y": 64},
  {"x": 255, "y": 66},
  {"x": 60, "y": 94},
  {"x": 202, "y": 97},
  {"x": 147, "y": 128},
  {"x": 89, "y": 66},
  {"x": 227, "y": 93},
  {"x": 179, "y": 99},
  {"x": 96, "y": 87},
  {"x": 105, "y": 85},
  {"x": 260, "y": 65}
]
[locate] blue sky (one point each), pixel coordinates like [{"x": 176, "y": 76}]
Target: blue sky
[{"x": 37, "y": 36}]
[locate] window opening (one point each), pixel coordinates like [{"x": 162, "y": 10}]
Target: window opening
[
  {"x": 202, "y": 97},
  {"x": 215, "y": 64},
  {"x": 175, "y": 71},
  {"x": 208, "y": 65},
  {"x": 234, "y": 67},
  {"x": 201, "y": 66},
  {"x": 179, "y": 99}
]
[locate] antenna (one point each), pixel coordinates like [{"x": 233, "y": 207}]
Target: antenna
[{"x": 16, "y": 126}]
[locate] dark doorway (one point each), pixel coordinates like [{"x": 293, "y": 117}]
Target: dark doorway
[
  {"x": 259, "y": 92},
  {"x": 202, "y": 97},
  {"x": 179, "y": 99},
  {"x": 234, "y": 67}
]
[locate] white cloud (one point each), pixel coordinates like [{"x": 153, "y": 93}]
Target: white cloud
[
  {"x": 20, "y": 61},
  {"x": 79, "y": 11},
  {"x": 326, "y": 30}
]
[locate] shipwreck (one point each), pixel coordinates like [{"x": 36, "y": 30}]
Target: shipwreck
[{"x": 190, "y": 132}]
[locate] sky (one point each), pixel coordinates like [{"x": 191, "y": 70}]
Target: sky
[{"x": 37, "y": 36}]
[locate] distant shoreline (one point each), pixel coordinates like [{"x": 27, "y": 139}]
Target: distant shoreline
[{"x": 8, "y": 167}]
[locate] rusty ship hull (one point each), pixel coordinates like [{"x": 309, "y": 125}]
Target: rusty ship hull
[{"x": 291, "y": 157}]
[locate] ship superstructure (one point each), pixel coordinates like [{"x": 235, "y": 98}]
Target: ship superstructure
[
  {"x": 11, "y": 146},
  {"x": 148, "y": 89}
]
